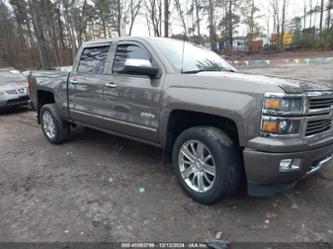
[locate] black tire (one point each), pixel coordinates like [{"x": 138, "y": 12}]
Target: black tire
[
  {"x": 227, "y": 158},
  {"x": 62, "y": 128}
]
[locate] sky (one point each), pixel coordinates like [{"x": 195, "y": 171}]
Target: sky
[{"x": 295, "y": 8}]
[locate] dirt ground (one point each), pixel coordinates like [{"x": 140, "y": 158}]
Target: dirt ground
[{"x": 88, "y": 190}]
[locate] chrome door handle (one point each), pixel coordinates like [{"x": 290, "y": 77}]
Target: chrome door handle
[
  {"x": 111, "y": 85},
  {"x": 73, "y": 81}
]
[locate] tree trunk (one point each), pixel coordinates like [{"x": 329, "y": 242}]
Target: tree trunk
[
  {"x": 321, "y": 16},
  {"x": 328, "y": 24},
  {"x": 230, "y": 23},
  {"x": 41, "y": 42},
  {"x": 212, "y": 34},
  {"x": 310, "y": 13},
  {"x": 283, "y": 22},
  {"x": 304, "y": 25},
  {"x": 119, "y": 18},
  {"x": 166, "y": 18},
  {"x": 197, "y": 14}
]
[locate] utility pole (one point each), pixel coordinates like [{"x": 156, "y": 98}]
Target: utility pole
[{"x": 166, "y": 18}]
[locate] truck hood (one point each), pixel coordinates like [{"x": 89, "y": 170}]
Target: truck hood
[{"x": 289, "y": 85}]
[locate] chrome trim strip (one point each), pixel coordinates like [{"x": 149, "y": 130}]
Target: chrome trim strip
[
  {"x": 115, "y": 120},
  {"x": 322, "y": 163},
  {"x": 121, "y": 135}
]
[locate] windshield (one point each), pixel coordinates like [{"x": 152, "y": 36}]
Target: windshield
[{"x": 195, "y": 58}]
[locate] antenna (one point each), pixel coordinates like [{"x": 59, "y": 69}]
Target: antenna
[{"x": 182, "y": 66}]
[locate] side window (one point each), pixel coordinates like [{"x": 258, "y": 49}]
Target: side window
[
  {"x": 92, "y": 60},
  {"x": 130, "y": 51}
]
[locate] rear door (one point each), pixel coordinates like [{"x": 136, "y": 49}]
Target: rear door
[
  {"x": 86, "y": 85},
  {"x": 132, "y": 101}
]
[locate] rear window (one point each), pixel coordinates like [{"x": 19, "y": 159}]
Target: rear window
[{"x": 92, "y": 60}]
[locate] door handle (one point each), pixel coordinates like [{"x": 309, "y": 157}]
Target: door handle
[
  {"x": 73, "y": 81},
  {"x": 111, "y": 85}
]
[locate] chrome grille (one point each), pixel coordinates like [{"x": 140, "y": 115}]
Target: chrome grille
[
  {"x": 11, "y": 92},
  {"x": 317, "y": 126},
  {"x": 21, "y": 90},
  {"x": 320, "y": 104}
]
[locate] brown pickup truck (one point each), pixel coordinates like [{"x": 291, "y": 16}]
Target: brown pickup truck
[{"x": 219, "y": 128}]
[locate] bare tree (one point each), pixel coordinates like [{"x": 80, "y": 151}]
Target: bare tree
[
  {"x": 329, "y": 8},
  {"x": 212, "y": 27},
  {"x": 310, "y": 12},
  {"x": 134, "y": 8},
  {"x": 249, "y": 12},
  {"x": 181, "y": 15},
  {"x": 304, "y": 16},
  {"x": 284, "y": 6},
  {"x": 321, "y": 16},
  {"x": 34, "y": 7},
  {"x": 276, "y": 16},
  {"x": 166, "y": 18},
  {"x": 154, "y": 11},
  {"x": 197, "y": 15}
]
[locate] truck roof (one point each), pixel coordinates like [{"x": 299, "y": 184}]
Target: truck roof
[{"x": 132, "y": 38}]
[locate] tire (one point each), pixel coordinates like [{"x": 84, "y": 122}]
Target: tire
[
  {"x": 60, "y": 131},
  {"x": 225, "y": 158}
]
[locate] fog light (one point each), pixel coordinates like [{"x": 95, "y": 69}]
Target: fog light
[{"x": 287, "y": 165}]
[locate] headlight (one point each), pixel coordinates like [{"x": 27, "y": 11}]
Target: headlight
[
  {"x": 280, "y": 126},
  {"x": 284, "y": 104}
]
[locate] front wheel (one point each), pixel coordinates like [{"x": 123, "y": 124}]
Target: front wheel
[
  {"x": 55, "y": 129},
  {"x": 207, "y": 164}
]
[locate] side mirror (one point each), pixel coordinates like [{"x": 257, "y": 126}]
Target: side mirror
[{"x": 139, "y": 67}]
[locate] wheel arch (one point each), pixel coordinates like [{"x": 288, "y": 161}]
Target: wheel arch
[
  {"x": 43, "y": 98},
  {"x": 180, "y": 120}
]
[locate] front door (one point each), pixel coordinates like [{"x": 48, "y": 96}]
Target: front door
[
  {"x": 86, "y": 86},
  {"x": 132, "y": 101}
]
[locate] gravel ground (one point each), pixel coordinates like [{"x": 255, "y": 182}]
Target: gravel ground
[
  {"x": 317, "y": 72},
  {"x": 88, "y": 190}
]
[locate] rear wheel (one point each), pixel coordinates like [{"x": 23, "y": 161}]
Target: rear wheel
[
  {"x": 55, "y": 129},
  {"x": 207, "y": 164}
]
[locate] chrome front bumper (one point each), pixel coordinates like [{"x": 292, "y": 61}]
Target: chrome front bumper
[
  {"x": 316, "y": 166},
  {"x": 15, "y": 101}
]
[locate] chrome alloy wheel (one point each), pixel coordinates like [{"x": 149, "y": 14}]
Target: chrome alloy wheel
[
  {"x": 197, "y": 166},
  {"x": 49, "y": 125}
]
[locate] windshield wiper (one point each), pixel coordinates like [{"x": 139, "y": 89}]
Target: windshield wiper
[{"x": 193, "y": 71}]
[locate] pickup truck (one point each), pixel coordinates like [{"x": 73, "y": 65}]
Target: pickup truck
[{"x": 223, "y": 131}]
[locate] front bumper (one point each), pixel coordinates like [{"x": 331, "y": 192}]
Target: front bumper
[
  {"x": 14, "y": 102},
  {"x": 262, "y": 168}
]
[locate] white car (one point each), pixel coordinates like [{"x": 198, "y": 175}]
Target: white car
[
  {"x": 13, "y": 88},
  {"x": 26, "y": 73},
  {"x": 67, "y": 69}
]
